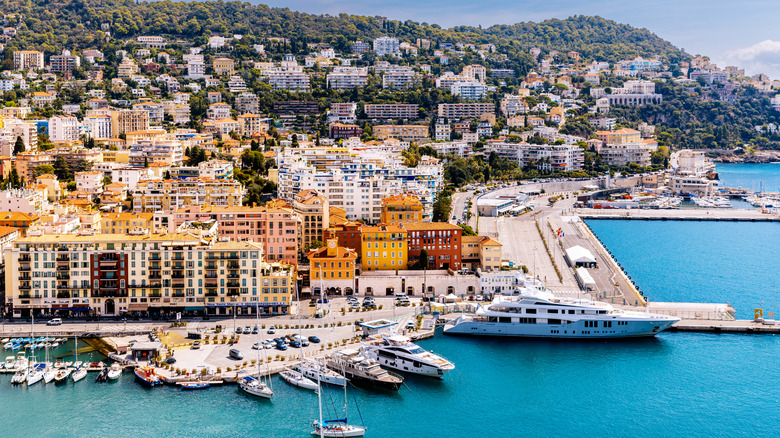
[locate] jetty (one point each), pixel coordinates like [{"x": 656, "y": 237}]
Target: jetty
[{"x": 683, "y": 214}]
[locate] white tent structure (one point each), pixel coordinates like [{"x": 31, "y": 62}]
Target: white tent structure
[
  {"x": 585, "y": 280},
  {"x": 578, "y": 256}
]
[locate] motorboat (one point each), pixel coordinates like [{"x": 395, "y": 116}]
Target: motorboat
[
  {"x": 102, "y": 376},
  {"x": 337, "y": 428},
  {"x": 62, "y": 375},
  {"x": 254, "y": 386},
  {"x": 147, "y": 376},
  {"x": 319, "y": 372},
  {"x": 533, "y": 311},
  {"x": 79, "y": 373},
  {"x": 400, "y": 353},
  {"x": 20, "y": 376},
  {"x": 361, "y": 370},
  {"x": 114, "y": 371},
  {"x": 296, "y": 378},
  {"x": 190, "y": 386}
]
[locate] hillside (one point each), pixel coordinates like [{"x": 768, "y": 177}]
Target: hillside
[{"x": 53, "y": 25}]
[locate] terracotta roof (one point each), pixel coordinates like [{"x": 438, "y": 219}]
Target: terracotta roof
[{"x": 422, "y": 226}]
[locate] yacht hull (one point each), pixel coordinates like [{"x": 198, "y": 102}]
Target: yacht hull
[{"x": 577, "y": 330}]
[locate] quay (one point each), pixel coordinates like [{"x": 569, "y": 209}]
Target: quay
[{"x": 683, "y": 214}]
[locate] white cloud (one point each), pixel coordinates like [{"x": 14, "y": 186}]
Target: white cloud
[{"x": 763, "y": 57}]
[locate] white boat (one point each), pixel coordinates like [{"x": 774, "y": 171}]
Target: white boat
[
  {"x": 317, "y": 371},
  {"x": 20, "y": 376},
  {"x": 114, "y": 372},
  {"x": 35, "y": 376},
  {"x": 337, "y": 428},
  {"x": 295, "y": 378},
  {"x": 62, "y": 375},
  {"x": 10, "y": 362},
  {"x": 254, "y": 386},
  {"x": 534, "y": 311},
  {"x": 400, "y": 353},
  {"x": 363, "y": 371},
  {"x": 49, "y": 374},
  {"x": 80, "y": 373}
]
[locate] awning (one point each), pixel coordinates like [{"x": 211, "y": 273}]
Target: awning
[
  {"x": 135, "y": 307},
  {"x": 193, "y": 308},
  {"x": 246, "y": 304},
  {"x": 74, "y": 309}
]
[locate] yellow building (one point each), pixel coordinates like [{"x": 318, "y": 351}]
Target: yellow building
[
  {"x": 402, "y": 209},
  {"x": 224, "y": 66},
  {"x": 122, "y": 223},
  {"x": 383, "y": 247},
  {"x": 333, "y": 268},
  {"x": 19, "y": 220},
  {"x": 403, "y": 132}
]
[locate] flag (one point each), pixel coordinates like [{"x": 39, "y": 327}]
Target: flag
[{"x": 559, "y": 232}]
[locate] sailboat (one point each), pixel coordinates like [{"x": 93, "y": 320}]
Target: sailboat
[
  {"x": 49, "y": 372},
  {"x": 292, "y": 376},
  {"x": 251, "y": 384},
  {"x": 81, "y": 370},
  {"x": 338, "y": 427}
]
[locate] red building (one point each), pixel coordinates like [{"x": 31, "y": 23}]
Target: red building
[
  {"x": 347, "y": 234},
  {"x": 441, "y": 240},
  {"x": 342, "y": 130}
]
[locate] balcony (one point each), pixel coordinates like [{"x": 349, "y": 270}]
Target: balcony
[
  {"x": 178, "y": 267},
  {"x": 211, "y": 284},
  {"x": 211, "y": 266},
  {"x": 155, "y": 295},
  {"x": 63, "y": 286},
  {"x": 25, "y": 295},
  {"x": 108, "y": 258},
  {"x": 211, "y": 293},
  {"x": 178, "y": 285},
  {"x": 232, "y": 284},
  {"x": 24, "y": 258},
  {"x": 106, "y": 266},
  {"x": 27, "y": 287},
  {"x": 178, "y": 294},
  {"x": 155, "y": 277},
  {"x": 155, "y": 257},
  {"x": 233, "y": 293},
  {"x": 63, "y": 294},
  {"x": 63, "y": 268},
  {"x": 214, "y": 275},
  {"x": 177, "y": 275},
  {"x": 178, "y": 257},
  {"x": 25, "y": 278},
  {"x": 63, "y": 258},
  {"x": 63, "y": 276},
  {"x": 232, "y": 265},
  {"x": 233, "y": 276},
  {"x": 24, "y": 268}
]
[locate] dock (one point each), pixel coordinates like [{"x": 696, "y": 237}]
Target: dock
[
  {"x": 683, "y": 214},
  {"x": 735, "y": 326}
]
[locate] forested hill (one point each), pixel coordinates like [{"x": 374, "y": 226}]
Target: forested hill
[{"x": 53, "y": 25}]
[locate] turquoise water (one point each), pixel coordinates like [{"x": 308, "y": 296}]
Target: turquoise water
[
  {"x": 674, "y": 385},
  {"x": 733, "y": 262},
  {"x": 750, "y": 176}
]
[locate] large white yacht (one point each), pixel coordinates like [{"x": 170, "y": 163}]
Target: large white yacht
[
  {"x": 533, "y": 311},
  {"x": 399, "y": 352}
]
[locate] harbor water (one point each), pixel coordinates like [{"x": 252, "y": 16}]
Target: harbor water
[
  {"x": 750, "y": 176},
  {"x": 679, "y": 384}
]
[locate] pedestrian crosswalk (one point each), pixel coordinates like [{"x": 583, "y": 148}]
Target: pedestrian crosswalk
[{"x": 122, "y": 327}]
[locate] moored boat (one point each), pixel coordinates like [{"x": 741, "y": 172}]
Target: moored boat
[
  {"x": 62, "y": 375},
  {"x": 254, "y": 386},
  {"x": 295, "y": 378},
  {"x": 147, "y": 376},
  {"x": 337, "y": 428},
  {"x": 190, "y": 386},
  {"x": 361, "y": 370},
  {"x": 400, "y": 353},
  {"x": 79, "y": 373},
  {"x": 114, "y": 371},
  {"x": 317, "y": 371}
]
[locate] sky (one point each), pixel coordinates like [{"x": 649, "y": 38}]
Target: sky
[{"x": 743, "y": 33}]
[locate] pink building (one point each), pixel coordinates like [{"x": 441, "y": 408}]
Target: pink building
[{"x": 275, "y": 227}]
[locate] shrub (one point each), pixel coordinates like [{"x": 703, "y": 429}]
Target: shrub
[
  {"x": 219, "y": 370},
  {"x": 203, "y": 372},
  {"x": 228, "y": 369}
]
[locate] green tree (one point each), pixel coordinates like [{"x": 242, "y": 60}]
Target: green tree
[
  {"x": 43, "y": 169},
  {"x": 442, "y": 207},
  {"x": 424, "y": 262},
  {"x": 467, "y": 230},
  {"x": 62, "y": 170},
  {"x": 19, "y": 145}
]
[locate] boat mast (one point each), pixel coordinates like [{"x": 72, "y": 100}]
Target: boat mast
[{"x": 319, "y": 366}]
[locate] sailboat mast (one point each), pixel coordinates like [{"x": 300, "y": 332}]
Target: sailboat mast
[{"x": 319, "y": 367}]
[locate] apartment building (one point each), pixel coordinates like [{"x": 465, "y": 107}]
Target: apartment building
[
  {"x": 465, "y": 110},
  {"x": 157, "y": 194},
  {"x": 150, "y": 42},
  {"x": 124, "y": 121},
  {"x": 223, "y": 66},
  {"x": 290, "y": 80},
  {"x": 64, "y": 63},
  {"x": 469, "y": 90},
  {"x": 297, "y": 107},
  {"x": 347, "y": 78},
  {"x": 344, "y": 130},
  {"x": 125, "y": 223},
  {"x": 28, "y": 59},
  {"x": 441, "y": 240},
  {"x": 392, "y": 111},
  {"x": 247, "y": 103},
  {"x": 386, "y": 46},
  {"x": 542, "y": 157},
  {"x": 275, "y": 228},
  {"x": 332, "y": 267},
  {"x": 251, "y": 124},
  {"x": 147, "y": 274},
  {"x": 402, "y": 210},
  {"x": 63, "y": 128},
  {"x": 383, "y": 247},
  {"x": 402, "y": 132},
  {"x": 313, "y": 210}
]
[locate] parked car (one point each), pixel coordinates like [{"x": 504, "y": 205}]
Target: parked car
[
  {"x": 271, "y": 330},
  {"x": 295, "y": 344},
  {"x": 304, "y": 342},
  {"x": 402, "y": 301},
  {"x": 196, "y": 345},
  {"x": 247, "y": 330},
  {"x": 239, "y": 330},
  {"x": 314, "y": 339},
  {"x": 368, "y": 300},
  {"x": 281, "y": 346},
  {"x": 54, "y": 321},
  {"x": 170, "y": 360},
  {"x": 322, "y": 301},
  {"x": 235, "y": 354},
  {"x": 257, "y": 346},
  {"x": 254, "y": 330},
  {"x": 355, "y": 305}
]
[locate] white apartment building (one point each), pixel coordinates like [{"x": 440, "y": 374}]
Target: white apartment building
[
  {"x": 196, "y": 66},
  {"x": 346, "y": 78},
  {"x": 91, "y": 182},
  {"x": 218, "y": 111},
  {"x": 180, "y": 112},
  {"x": 542, "y": 157},
  {"x": 155, "y": 110},
  {"x": 130, "y": 175},
  {"x": 471, "y": 90},
  {"x": 342, "y": 112},
  {"x": 290, "y": 80},
  {"x": 623, "y": 154},
  {"x": 97, "y": 126},
  {"x": 386, "y": 46},
  {"x": 63, "y": 128}
]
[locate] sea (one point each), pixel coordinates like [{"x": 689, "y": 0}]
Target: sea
[{"x": 676, "y": 384}]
